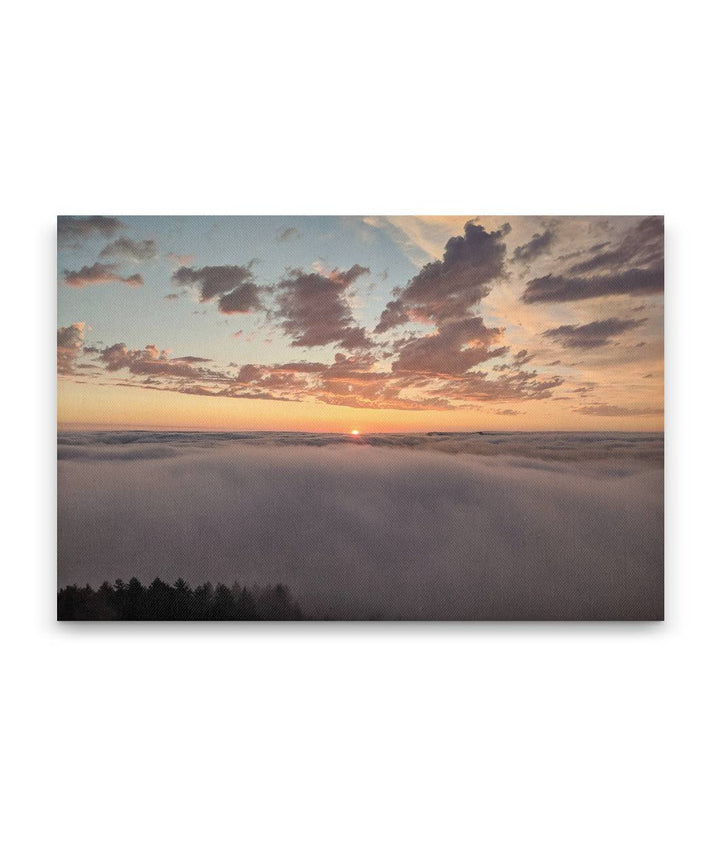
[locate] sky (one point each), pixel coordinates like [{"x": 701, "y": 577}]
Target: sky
[{"x": 369, "y": 324}]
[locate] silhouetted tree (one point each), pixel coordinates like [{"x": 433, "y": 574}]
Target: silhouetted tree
[
  {"x": 182, "y": 600},
  {"x": 134, "y": 600},
  {"x": 162, "y": 602},
  {"x": 202, "y": 602},
  {"x": 158, "y": 603},
  {"x": 105, "y": 608},
  {"x": 223, "y": 605},
  {"x": 245, "y": 606},
  {"x": 275, "y": 604}
]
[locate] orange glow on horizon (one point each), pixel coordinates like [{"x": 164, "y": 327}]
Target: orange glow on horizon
[{"x": 118, "y": 407}]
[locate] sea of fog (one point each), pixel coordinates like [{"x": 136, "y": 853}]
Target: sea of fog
[{"x": 416, "y": 526}]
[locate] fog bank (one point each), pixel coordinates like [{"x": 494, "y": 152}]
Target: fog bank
[{"x": 361, "y": 531}]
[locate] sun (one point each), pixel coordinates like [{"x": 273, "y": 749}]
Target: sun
[{"x": 355, "y": 432}]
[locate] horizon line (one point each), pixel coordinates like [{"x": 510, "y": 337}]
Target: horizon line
[{"x": 94, "y": 427}]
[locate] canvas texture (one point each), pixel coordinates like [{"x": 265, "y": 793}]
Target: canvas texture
[{"x": 361, "y": 418}]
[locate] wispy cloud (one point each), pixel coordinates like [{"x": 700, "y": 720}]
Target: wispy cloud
[
  {"x": 99, "y": 274},
  {"x": 128, "y": 250},
  {"x": 592, "y": 335}
]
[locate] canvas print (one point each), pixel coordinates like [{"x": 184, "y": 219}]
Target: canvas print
[{"x": 360, "y": 418}]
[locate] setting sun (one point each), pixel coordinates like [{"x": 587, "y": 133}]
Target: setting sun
[{"x": 355, "y": 432}]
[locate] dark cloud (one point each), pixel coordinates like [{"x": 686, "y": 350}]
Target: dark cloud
[
  {"x": 449, "y": 287},
  {"x": 642, "y": 247},
  {"x": 289, "y": 234},
  {"x": 585, "y": 390},
  {"x": 233, "y": 286},
  {"x": 539, "y": 243},
  {"x": 554, "y": 289},
  {"x": 456, "y": 347},
  {"x": 634, "y": 267},
  {"x": 99, "y": 274},
  {"x": 592, "y": 335},
  {"x": 315, "y": 311},
  {"x": 214, "y": 280},
  {"x": 393, "y": 315},
  {"x": 151, "y": 361},
  {"x": 520, "y": 359},
  {"x": 70, "y": 230},
  {"x": 241, "y": 300},
  {"x": 130, "y": 251},
  {"x": 576, "y": 254}
]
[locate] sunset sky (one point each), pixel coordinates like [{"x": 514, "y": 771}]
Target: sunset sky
[{"x": 361, "y": 323}]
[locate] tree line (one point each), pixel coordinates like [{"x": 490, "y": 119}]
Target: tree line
[{"x": 159, "y": 601}]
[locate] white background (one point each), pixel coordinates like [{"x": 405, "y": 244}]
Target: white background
[{"x": 507, "y": 739}]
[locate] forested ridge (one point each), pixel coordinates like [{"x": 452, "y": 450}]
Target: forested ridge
[{"x": 160, "y": 601}]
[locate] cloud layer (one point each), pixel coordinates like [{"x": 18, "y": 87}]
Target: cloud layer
[
  {"x": 635, "y": 267},
  {"x": 363, "y": 532}
]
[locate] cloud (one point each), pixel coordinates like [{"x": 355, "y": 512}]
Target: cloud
[
  {"x": 554, "y": 289},
  {"x": 456, "y": 347},
  {"x": 393, "y": 315},
  {"x": 99, "y": 274},
  {"x": 634, "y": 267},
  {"x": 522, "y": 357},
  {"x": 241, "y": 300},
  {"x": 421, "y": 239},
  {"x": 429, "y": 374},
  {"x": 592, "y": 335},
  {"x": 449, "y": 287},
  {"x": 130, "y": 251},
  {"x": 69, "y": 346},
  {"x": 151, "y": 361},
  {"x": 643, "y": 247},
  {"x": 615, "y": 410},
  {"x": 70, "y": 230},
  {"x": 233, "y": 286},
  {"x": 289, "y": 234},
  {"x": 539, "y": 244},
  {"x": 180, "y": 259},
  {"x": 474, "y": 387},
  {"x": 442, "y": 370},
  {"x": 359, "y": 531},
  {"x": 314, "y": 309}
]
